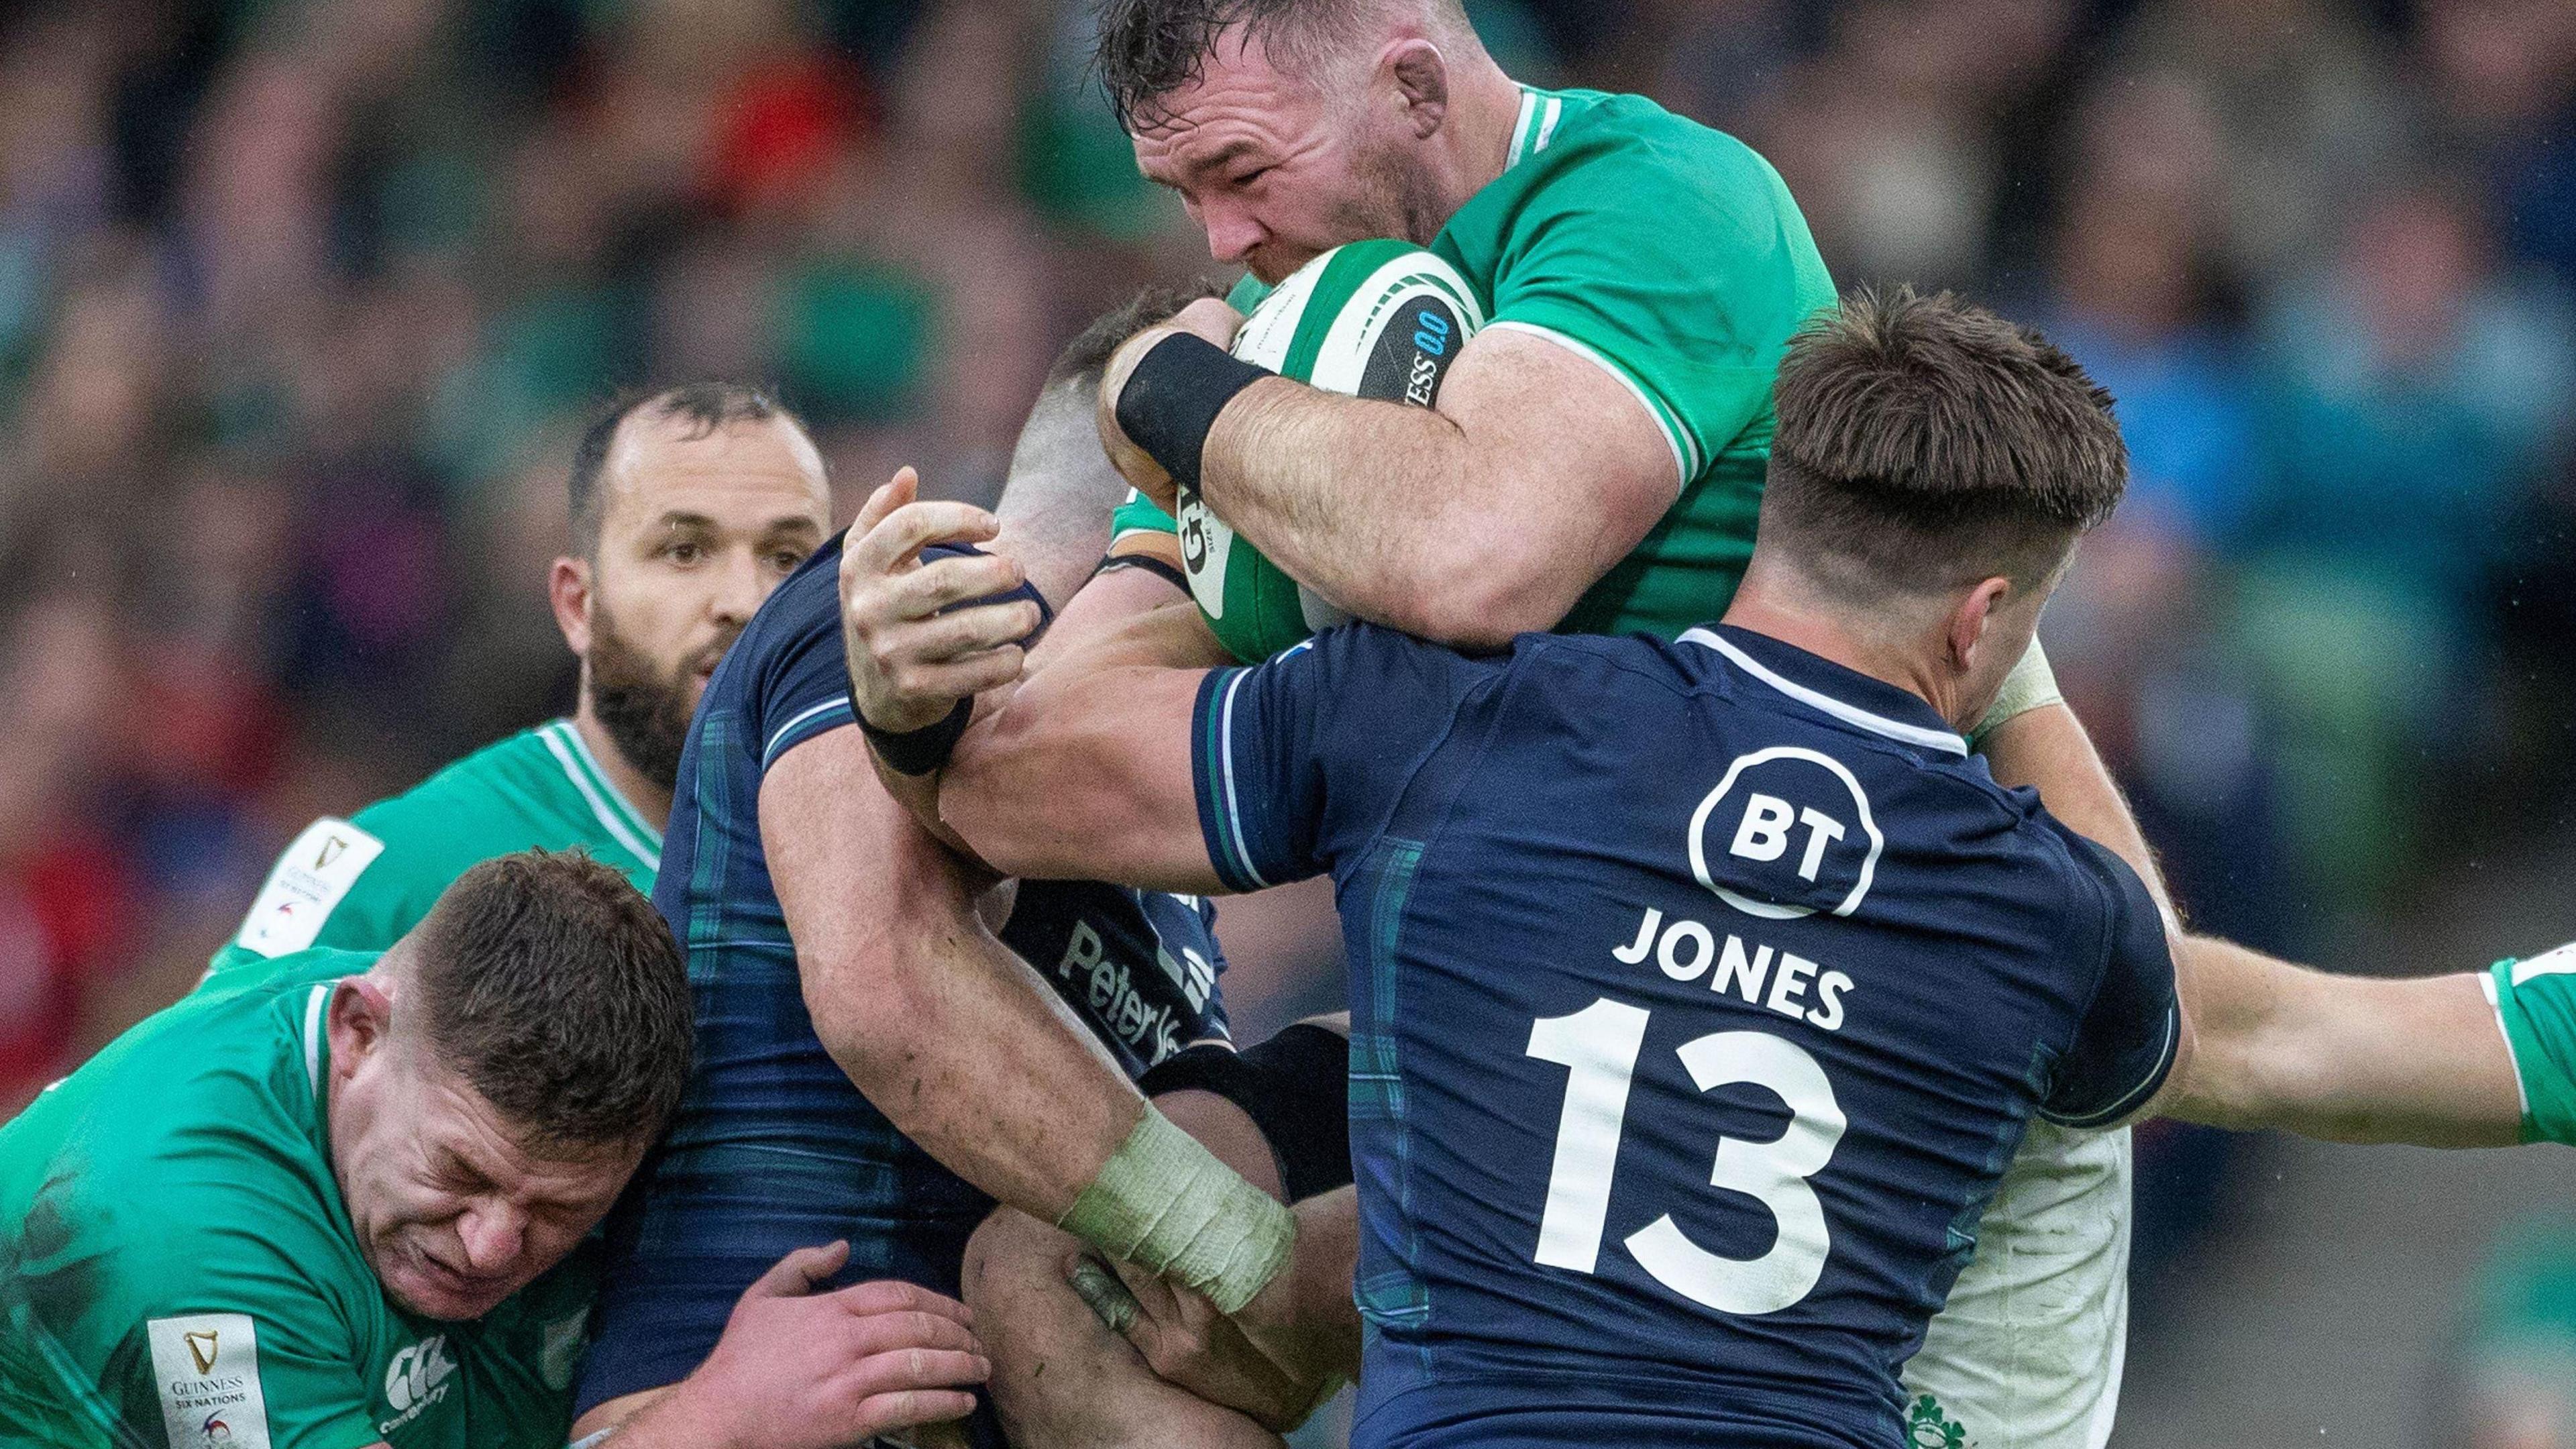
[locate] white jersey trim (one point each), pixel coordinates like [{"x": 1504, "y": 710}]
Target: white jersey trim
[
  {"x": 838, "y": 701},
  {"x": 1521, "y": 129},
  {"x": 605, "y": 804},
  {"x": 1850, "y": 714},
  {"x": 1547, "y": 127},
  {"x": 1684, "y": 449},
  {"x": 1225, "y": 748},
  {"x": 313, "y": 1005},
  {"x": 2495, "y": 1005}
]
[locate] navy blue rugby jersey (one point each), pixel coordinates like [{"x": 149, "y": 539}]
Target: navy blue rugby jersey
[
  {"x": 773, "y": 1149},
  {"x": 1701, "y": 993}
]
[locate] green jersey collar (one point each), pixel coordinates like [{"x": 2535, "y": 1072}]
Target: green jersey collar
[
  {"x": 1540, "y": 111},
  {"x": 619, "y": 818}
]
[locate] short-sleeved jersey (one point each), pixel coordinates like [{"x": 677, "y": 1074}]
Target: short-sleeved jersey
[
  {"x": 177, "y": 1267},
  {"x": 1701, "y": 993},
  {"x": 359, "y": 884},
  {"x": 2535, "y": 1002},
  {"x": 773, "y": 1148},
  {"x": 1674, "y": 257}
]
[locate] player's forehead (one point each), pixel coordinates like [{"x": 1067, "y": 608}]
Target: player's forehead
[
  {"x": 462, "y": 1134},
  {"x": 1239, "y": 105},
  {"x": 751, "y": 472}
]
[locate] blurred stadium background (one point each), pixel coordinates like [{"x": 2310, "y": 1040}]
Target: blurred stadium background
[{"x": 302, "y": 300}]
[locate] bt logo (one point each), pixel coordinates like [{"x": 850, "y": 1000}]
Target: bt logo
[{"x": 1786, "y": 833}]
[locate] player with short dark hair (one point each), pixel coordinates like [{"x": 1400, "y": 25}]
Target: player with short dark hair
[
  {"x": 1616, "y": 908},
  {"x": 687, "y": 506},
  {"x": 340, "y": 1199}
]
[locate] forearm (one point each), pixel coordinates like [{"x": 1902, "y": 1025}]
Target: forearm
[
  {"x": 1390, "y": 512},
  {"x": 1328, "y": 1244},
  {"x": 916, "y": 1000},
  {"x": 919, "y": 1018},
  {"x": 2345, "y": 1058},
  {"x": 672, "y": 1418},
  {"x": 1086, "y": 772}
]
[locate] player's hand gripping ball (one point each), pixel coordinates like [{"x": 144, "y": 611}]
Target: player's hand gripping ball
[{"x": 1374, "y": 319}]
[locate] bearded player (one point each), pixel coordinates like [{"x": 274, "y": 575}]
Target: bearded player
[
  {"x": 1593, "y": 463},
  {"x": 882, "y": 1054},
  {"x": 688, "y": 506}
]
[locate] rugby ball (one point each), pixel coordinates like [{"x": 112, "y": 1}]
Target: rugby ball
[{"x": 1374, "y": 319}]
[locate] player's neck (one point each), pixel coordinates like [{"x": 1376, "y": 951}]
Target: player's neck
[
  {"x": 1821, "y": 633},
  {"x": 650, "y": 800},
  {"x": 1486, "y": 111}
]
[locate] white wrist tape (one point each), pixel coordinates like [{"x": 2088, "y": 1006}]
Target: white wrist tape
[
  {"x": 2030, "y": 685},
  {"x": 1167, "y": 1204}
]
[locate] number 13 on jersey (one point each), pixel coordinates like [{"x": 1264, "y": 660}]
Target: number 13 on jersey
[{"x": 1598, "y": 1046}]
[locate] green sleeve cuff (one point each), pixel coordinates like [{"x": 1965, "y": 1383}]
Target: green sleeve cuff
[
  {"x": 2535, "y": 1002},
  {"x": 1139, "y": 515}
]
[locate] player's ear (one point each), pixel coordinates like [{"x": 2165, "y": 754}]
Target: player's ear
[
  {"x": 1971, "y": 621},
  {"x": 1422, "y": 78},
  {"x": 360, "y": 1015},
  {"x": 568, "y": 590}
]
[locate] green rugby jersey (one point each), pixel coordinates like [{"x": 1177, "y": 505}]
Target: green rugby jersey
[
  {"x": 1672, "y": 255},
  {"x": 359, "y": 884},
  {"x": 177, "y": 1268},
  {"x": 2535, "y": 1000}
]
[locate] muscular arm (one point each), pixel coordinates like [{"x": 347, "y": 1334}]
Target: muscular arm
[
  {"x": 1086, "y": 771},
  {"x": 2347, "y": 1058},
  {"x": 1467, "y": 524},
  {"x": 916, "y": 999}
]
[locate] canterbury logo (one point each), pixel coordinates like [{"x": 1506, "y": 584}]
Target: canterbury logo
[
  {"x": 416, "y": 1371},
  {"x": 201, "y": 1350}
]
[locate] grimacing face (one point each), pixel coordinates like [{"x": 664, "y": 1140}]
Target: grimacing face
[
  {"x": 694, "y": 532},
  {"x": 1278, "y": 169},
  {"x": 450, "y": 1209}
]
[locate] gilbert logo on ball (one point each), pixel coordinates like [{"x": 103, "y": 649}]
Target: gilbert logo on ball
[{"x": 1374, "y": 319}]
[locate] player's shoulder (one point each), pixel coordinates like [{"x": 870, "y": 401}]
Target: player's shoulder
[
  {"x": 456, "y": 807},
  {"x": 784, "y": 679},
  {"x": 159, "y": 1141},
  {"x": 1882, "y": 731},
  {"x": 1616, "y": 149},
  {"x": 802, "y": 613}
]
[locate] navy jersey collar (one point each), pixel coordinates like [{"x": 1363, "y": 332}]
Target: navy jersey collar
[{"x": 1819, "y": 683}]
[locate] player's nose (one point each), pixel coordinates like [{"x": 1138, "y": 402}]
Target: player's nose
[
  {"x": 737, "y": 589},
  {"x": 491, "y": 1234},
  {"x": 1232, "y": 233}
]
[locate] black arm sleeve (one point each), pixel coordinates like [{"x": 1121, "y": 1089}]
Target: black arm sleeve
[{"x": 2125, "y": 1044}]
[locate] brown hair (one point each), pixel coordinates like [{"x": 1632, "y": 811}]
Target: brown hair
[
  {"x": 1924, "y": 443},
  {"x": 553, "y": 988},
  {"x": 1151, "y": 48},
  {"x": 707, "y": 406},
  {"x": 1086, "y": 357}
]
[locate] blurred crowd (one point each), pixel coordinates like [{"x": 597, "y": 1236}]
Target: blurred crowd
[{"x": 301, "y": 302}]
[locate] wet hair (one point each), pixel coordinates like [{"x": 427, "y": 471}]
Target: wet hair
[
  {"x": 551, "y": 986},
  {"x": 1086, "y": 357},
  {"x": 1151, "y": 48},
  {"x": 705, "y": 406},
  {"x": 1924, "y": 442}
]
